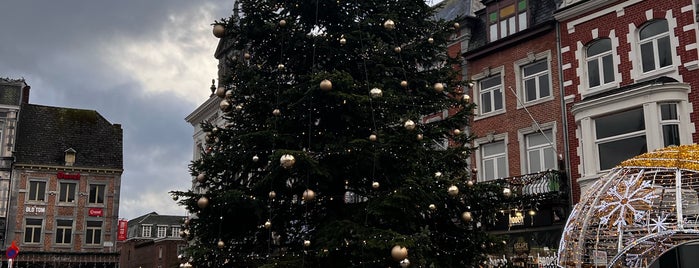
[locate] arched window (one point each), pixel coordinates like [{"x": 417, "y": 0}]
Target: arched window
[
  {"x": 600, "y": 65},
  {"x": 655, "y": 45}
]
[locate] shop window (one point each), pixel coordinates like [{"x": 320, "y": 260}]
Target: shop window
[
  {"x": 32, "y": 231},
  {"x": 66, "y": 192},
  {"x": 64, "y": 231},
  {"x": 654, "y": 39},
  {"x": 37, "y": 190}
]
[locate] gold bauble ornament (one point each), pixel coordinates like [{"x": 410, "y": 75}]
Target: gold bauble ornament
[
  {"x": 276, "y": 112},
  {"x": 220, "y": 244},
  {"x": 203, "y": 202},
  {"x": 419, "y": 136},
  {"x": 532, "y": 212},
  {"x": 439, "y": 87},
  {"x": 432, "y": 207},
  {"x": 397, "y": 49},
  {"x": 282, "y": 23},
  {"x": 466, "y": 98},
  {"x": 372, "y": 137},
  {"x": 287, "y": 161},
  {"x": 399, "y": 252},
  {"x": 239, "y": 107},
  {"x": 469, "y": 183},
  {"x": 453, "y": 190},
  {"x": 268, "y": 224},
  {"x": 389, "y": 25},
  {"x": 229, "y": 93},
  {"x": 246, "y": 56},
  {"x": 375, "y": 92},
  {"x": 405, "y": 263},
  {"x": 438, "y": 174},
  {"x": 309, "y": 195},
  {"x": 404, "y": 83},
  {"x": 281, "y": 67},
  {"x": 507, "y": 192},
  {"x": 409, "y": 125},
  {"x": 326, "y": 85},
  {"x": 221, "y": 92},
  {"x": 201, "y": 177},
  {"x": 457, "y": 132},
  {"x": 224, "y": 105},
  {"x": 255, "y": 158},
  {"x": 457, "y": 25},
  {"x": 219, "y": 30},
  {"x": 306, "y": 243},
  {"x": 430, "y": 40},
  {"x": 375, "y": 185},
  {"x": 272, "y": 194},
  {"x": 466, "y": 216},
  {"x": 343, "y": 41}
]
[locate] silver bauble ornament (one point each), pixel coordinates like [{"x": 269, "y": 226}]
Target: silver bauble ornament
[
  {"x": 255, "y": 158},
  {"x": 409, "y": 125},
  {"x": 389, "y": 25},
  {"x": 399, "y": 252},
  {"x": 287, "y": 161},
  {"x": 309, "y": 195},
  {"x": 466, "y": 216},
  {"x": 375, "y": 92},
  {"x": 507, "y": 192},
  {"x": 219, "y": 30},
  {"x": 439, "y": 87},
  {"x": 453, "y": 190},
  {"x": 203, "y": 202},
  {"x": 326, "y": 85}
]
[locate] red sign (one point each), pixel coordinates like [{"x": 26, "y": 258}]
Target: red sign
[
  {"x": 12, "y": 251},
  {"x": 64, "y": 176},
  {"x": 122, "y": 230},
  {"x": 95, "y": 212}
]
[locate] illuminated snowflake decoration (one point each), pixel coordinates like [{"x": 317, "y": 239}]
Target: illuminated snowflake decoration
[
  {"x": 626, "y": 203},
  {"x": 659, "y": 224}
]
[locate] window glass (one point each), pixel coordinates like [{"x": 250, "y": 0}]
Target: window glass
[
  {"x": 64, "y": 231},
  {"x": 493, "y": 159},
  {"x": 598, "y": 47},
  {"x": 96, "y": 194},
  {"x": 491, "y": 95},
  {"x": 654, "y": 28},
  {"x": 67, "y": 192},
  {"x": 32, "y": 231},
  {"x": 619, "y": 123},
  {"x": 37, "y": 190},
  {"x": 613, "y": 152},
  {"x": 593, "y": 73},
  {"x": 162, "y": 231},
  {"x": 647, "y": 57},
  {"x": 540, "y": 153},
  {"x": 608, "y": 69},
  {"x": 655, "y": 45},
  {"x": 664, "y": 54},
  {"x": 668, "y": 111},
  {"x": 93, "y": 233}
]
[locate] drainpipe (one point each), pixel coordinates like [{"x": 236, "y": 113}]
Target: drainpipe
[{"x": 566, "y": 146}]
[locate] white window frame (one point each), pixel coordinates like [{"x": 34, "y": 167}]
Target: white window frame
[
  {"x": 523, "y": 150},
  {"x": 38, "y": 195},
  {"x": 650, "y": 97},
  {"x": 519, "y": 77},
  {"x": 41, "y": 231},
  {"x": 161, "y": 231},
  {"x": 668, "y": 122},
  {"x": 174, "y": 231},
  {"x": 92, "y": 232},
  {"x": 599, "y": 58},
  {"x": 584, "y": 88},
  {"x": 489, "y": 138},
  {"x": 653, "y": 40},
  {"x": 65, "y": 228},
  {"x": 146, "y": 230},
  {"x": 671, "y": 70},
  {"x": 487, "y": 73}
]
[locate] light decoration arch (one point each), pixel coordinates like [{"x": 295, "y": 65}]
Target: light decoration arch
[{"x": 642, "y": 208}]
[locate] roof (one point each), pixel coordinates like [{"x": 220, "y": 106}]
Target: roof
[
  {"x": 44, "y": 133},
  {"x": 155, "y": 219},
  {"x": 453, "y": 9}
]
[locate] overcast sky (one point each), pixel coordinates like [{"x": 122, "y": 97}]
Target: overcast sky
[{"x": 143, "y": 64}]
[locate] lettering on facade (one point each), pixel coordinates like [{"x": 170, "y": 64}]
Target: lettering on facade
[
  {"x": 95, "y": 212},
  {"x": 35, "y": 209},
  {"x": 517, "y": 220},
  {"x": 65, "y": 176}
]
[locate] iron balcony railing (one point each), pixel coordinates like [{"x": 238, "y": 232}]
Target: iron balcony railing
[{"x": 549, "y": 183}]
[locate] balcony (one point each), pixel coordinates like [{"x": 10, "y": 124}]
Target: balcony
[{"x": 548, "y": 185}]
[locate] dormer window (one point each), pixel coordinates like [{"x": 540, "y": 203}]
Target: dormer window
[
  {"x": 505, "y": 18},
  {"x": 70, "y": 157}
]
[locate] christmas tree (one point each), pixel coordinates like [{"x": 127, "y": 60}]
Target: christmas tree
[{"x": 331, "y": 154}]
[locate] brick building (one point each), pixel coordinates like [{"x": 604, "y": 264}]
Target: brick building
[
  {"x": 512, "y": 65},
  {"x": 65, "y": 188},
  {"x": 629, "y": 71},
  {"x": 153, "y": 241}
]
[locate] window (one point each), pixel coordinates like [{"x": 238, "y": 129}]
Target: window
[
  {"x": 32, "y": 231},
  {"x": 491, "y": 95},
  {"x": 146, "y": 230},
  {"x": 540, "y": 154},
  {"x": 93, "y": 233},
  {"x": 600, "y": 64},
  {"x": 535, "y": 79},
  {"x": 175, "y": 231},
  {"x": 64, "y": 231},
  {"x": 67, "y": 192},
  {"x": 37, "y": 190},
  {"x": 493, "y": 160},
  {"x": 160, "y": 252},
  {"x": 96, "y": 194},
  {"x": 506, "y": 19},
  {"x": 620, "y": 136},
  {"x": 162, "y": 231},
  {"x": 655, "y": 45},
  {"x": 670, "y": 124}
]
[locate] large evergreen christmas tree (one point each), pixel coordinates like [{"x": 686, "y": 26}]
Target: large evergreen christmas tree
[{"x": 327, "y": 157}]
